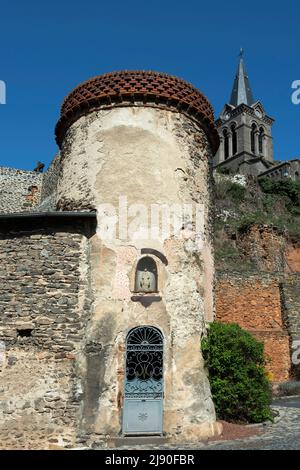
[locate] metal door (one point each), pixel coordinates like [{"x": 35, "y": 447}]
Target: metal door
[{"x": 143, "y": 397}]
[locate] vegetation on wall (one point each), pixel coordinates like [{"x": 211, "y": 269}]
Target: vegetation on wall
[
  {"x": 286, "y": 190},
  {"x": 261, "y": 202},
  {"x": 239, "y": 384}
]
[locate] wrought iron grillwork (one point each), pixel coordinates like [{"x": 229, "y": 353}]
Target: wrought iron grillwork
[{"x": 144, "y": 363}]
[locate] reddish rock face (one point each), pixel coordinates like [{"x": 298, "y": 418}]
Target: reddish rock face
[{"x": 292, "y": 256}]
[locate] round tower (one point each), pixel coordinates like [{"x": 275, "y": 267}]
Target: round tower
[{"x": 136, "y": 147}]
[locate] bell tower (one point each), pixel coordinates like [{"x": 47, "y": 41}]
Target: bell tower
[{"x": 245, "y": 130}]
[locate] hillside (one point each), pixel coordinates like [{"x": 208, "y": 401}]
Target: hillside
[{"x": 256, "y": 223}]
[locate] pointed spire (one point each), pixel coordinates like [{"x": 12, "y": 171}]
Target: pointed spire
[{"x": 241, "y": 92}]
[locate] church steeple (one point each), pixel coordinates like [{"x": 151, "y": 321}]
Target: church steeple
[
  {"x": 241, "y": 92},
  {"x": 245, "y": 130}
]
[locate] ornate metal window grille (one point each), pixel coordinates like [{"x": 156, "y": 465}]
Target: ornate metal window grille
[{"x": 144, "y": 363}]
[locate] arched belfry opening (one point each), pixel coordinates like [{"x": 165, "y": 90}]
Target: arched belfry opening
[
  {"x": 143, "y": 390},
  {"x": 226, "y": 144},
  {"x": 252, "y": 138},
  {"x": 261, "y": 140},
  {"x": 234, "y": 139}
]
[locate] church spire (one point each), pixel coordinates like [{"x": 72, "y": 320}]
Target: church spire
[{"x": 241, "y": 92}]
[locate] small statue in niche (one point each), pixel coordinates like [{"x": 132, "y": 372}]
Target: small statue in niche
[{"x": 146, "y": 278}]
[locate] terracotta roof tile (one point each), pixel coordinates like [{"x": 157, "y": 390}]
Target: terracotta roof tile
[{"x": 148, "y": 87}]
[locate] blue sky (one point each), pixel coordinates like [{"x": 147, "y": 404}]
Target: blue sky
[{"x": 47, "y": 48}]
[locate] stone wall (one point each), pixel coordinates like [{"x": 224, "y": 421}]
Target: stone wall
[
  {"x": 291, "y": 308},
  {"x": 253, "y": 300},
  {"x": 38, "y": 407},
  {"x": 44, "y": 307},
  {"x": 292, "y": 256},
  {"x": 264, "y": 246},
  {"x": 20, "y": 190},
  {"x": 48, "y": 194}
]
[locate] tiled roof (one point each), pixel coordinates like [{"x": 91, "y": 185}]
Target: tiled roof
[{"x": 132, "y": 87}]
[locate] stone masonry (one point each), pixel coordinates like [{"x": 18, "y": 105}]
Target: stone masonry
[
  {"x": 44, "y": 306},
  {"x": 20, "y": 190},
  {"x": 254, "y": 302},
  {"x": 68, "y": 295},
  {"x": 161, "y": 146},
  {"x": 291, "y": 311},
  {"x": 49, "y": 186}
]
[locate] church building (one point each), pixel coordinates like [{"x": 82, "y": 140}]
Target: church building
[{"x": 245, "y": 131}]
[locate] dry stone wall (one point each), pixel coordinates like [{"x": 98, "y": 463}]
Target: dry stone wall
[
  {"x": 253, "y": 300},
  {"x": 291, "y": 309},
  {"x": 20, "y": 190},
  {"x": 48, "y": 194},
  {"x": 44, "y": 306}
]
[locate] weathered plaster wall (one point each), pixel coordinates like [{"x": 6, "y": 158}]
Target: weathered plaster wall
[
  {"x": 253, "y": 300},
  {"x": 20, "y": 190},
  {"x": 148, "y": 156},
  {"x": 44, "y": 306}
]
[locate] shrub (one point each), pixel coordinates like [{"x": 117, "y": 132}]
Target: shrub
[
  {"x": 239, "y": 384},
  {"x": 223, "y": 170},
  {"x": 236, "y": 192},
  {"x": 228, "y": 251},
  {"x": 226, "y": 189},
  {"x": 252, "y": 218},
  {"x": 286, "y": 188}
]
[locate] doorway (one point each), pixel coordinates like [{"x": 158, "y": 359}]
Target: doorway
[{"x": 143, "y": 397}]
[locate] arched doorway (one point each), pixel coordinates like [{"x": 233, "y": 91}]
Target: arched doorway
[{"x": 143, "y": 394}]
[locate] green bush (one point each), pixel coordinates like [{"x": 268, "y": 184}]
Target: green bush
[
  {"x": 246, "y": 221},
  {"x": 236, "y": 192},
  {"x": 223, "y": 170},
  {"x": 239, "y": 385},
  {"x": 286, "y": 188},
  {"x": 225, "y": 189},
  {"x": 228, "y": 251}
]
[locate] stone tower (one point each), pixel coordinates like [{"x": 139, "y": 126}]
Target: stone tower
[
  {"x": 136, "y": 147},
  {"x": 245, "y": 130}
]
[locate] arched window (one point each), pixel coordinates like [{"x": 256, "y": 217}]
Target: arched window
[
  {"x": 226, "y": 144},
  {"x": 253, "y": 132},
  {"x": 297, "y": 175},
  {"x": 146, "y": 275},
  {"x": 234, "y": 139},
  {"x": 261, "y": 140}
]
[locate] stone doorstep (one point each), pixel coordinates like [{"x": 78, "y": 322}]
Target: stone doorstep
[{"x": 137, "y": 440}]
